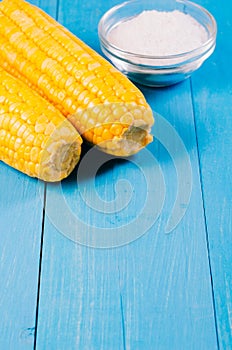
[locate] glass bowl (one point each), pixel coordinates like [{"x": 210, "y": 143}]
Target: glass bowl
[{"x": 156, "y": 70}]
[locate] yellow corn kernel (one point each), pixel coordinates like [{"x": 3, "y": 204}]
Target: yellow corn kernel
[
  {"x": 116, "y": 129},
  {"x": 23, "y": 145},
  {"x": 107, "y": 135}
]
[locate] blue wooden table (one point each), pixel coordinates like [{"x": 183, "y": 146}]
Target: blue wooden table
[{"x": 70, "y": 280}]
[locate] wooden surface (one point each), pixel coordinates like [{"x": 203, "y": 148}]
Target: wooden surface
[{"x": 162, "y": 290}]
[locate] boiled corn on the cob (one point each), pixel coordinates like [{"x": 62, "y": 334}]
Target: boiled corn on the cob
[
  {"x": 102, "y": 104},
  {"x": 35, "y": 137}
]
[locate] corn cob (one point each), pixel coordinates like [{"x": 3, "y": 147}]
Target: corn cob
[
  {"x": 35, "y": 137},
  {"x": 102, "y": 104}
]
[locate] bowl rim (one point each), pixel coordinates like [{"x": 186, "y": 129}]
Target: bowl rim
[{"x": 205, "y": 47}]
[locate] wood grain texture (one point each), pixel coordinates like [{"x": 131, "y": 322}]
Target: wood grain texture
[
  {"x": 51, "y": 7},
  {"x": 80, "y": 300},
  {"x": 21, "y": 209},
  {"x": 212, "y": 94}
]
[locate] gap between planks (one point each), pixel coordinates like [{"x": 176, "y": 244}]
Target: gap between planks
[{"x": 204, "y": 214}]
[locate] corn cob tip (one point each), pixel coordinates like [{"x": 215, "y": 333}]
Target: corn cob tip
[
  {"x": 120, "y": 129},
  {"x": 61, "y": 153}
]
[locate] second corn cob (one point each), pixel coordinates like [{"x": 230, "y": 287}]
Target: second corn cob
[
  {"x": 103, "y": 105},
  {"x": 35, "y": 137}
]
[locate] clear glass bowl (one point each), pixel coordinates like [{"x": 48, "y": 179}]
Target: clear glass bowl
[{"x": 156, "y": 70}]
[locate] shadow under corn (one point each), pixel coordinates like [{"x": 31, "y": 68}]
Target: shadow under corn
[{"x": 93, "y": 163}]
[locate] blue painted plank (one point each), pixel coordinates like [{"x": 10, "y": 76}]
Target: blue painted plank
[
  {"x": 50, "y": 7},
  {"x": 212, "y": 93},
  {"x": 152, "y": 294},
  {"x": 21, "y": 208},
  {"x": 165, "y": 279},
  {"x": 79, "y": 301}
]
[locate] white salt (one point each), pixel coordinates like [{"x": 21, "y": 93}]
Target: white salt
[{"x": 158, "y": 33}]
